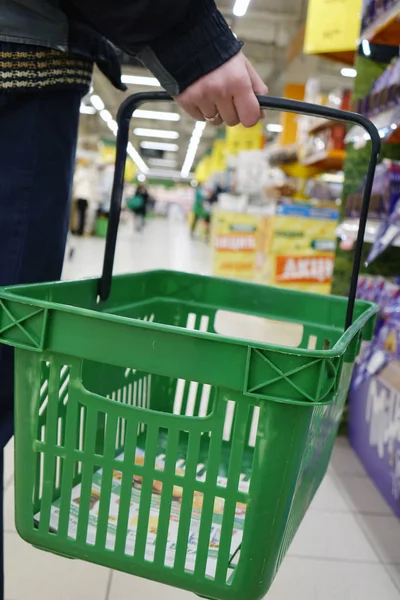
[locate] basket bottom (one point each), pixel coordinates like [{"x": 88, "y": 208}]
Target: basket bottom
[{"x": 153, "y": 507}]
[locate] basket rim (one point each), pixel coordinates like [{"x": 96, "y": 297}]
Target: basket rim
[{"x": 369, "y": 311}]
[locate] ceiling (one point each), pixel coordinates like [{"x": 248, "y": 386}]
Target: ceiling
[{"x": 266, "y": 30}]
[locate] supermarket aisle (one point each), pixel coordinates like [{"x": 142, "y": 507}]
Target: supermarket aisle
[
  {"x": 164, "y": 244},
  {"x": 347, "y": 548}
]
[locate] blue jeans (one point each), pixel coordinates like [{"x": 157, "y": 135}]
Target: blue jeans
[{"x": 37, "y": 157}]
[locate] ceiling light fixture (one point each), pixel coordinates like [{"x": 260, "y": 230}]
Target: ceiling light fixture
[
  {"x": 162, "y": 174},
  {"x": 240, "y": 8},
  {"x": 156, "y": 133},
  {"x": 135, "y": 156},
  {"x": 87, "y": 110},
  {"x": 274, "y": 128},
  {"x": 97, "y": 102},
  {"x": 106, "y": 115},
  {"x": 156, "y": 114},
  {"x": 366, "y": 48},
  {"x": 113, "y": 126},
  {"x": 159, "y": 146},
  {"x": 140, "y": 80},
  {"x": 192, "y": 148},
  {"x": 348, "y": 72},
  {"x": 162, "y": 162}
]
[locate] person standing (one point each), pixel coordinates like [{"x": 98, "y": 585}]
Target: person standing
[
  {"x": 47, "y": 52},
  {"x": 138, "y": 204},
  {"x": 200, "y": 211}
]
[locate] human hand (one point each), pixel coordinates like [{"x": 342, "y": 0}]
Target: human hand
[{"x": 226, "y": 95}]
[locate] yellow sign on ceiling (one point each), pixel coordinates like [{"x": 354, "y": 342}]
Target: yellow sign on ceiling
[{"x": 332, "y": 26}]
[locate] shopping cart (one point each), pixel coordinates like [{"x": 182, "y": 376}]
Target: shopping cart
[{"x": 147, "y": 442}]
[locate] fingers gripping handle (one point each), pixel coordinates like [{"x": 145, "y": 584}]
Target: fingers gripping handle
[{"x": 268, "y": 102}]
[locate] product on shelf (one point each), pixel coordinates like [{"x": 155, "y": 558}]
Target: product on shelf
[
  {"x": 323, "y": 190},
  {"x": 373, "y": 9},
  {"x": 387, "y": 235},
  {"x": 318, "y": 137},
  {"x": 385, "y": 345},
  {"x": 385, "y": 92},
  {"x": 385, "y": 206},
  {"x": 383, "y": 291}
]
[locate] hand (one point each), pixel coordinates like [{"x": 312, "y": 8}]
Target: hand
[{"x": 229, "y": 91}]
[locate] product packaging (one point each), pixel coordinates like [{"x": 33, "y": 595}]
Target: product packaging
[{"x": 387, "y": 235}]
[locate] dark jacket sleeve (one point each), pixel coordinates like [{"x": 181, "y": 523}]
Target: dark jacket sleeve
[{"x": 178, "y": 40}]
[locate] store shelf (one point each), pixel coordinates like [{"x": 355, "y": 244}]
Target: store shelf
[
  {"x": 388, "y": 124},
  {"x": 386, "y": 28},
  {"x": 331, "y": 160},
  {"x": 345, "y": 58},
  {"x": 321, "y": 126},
  {"x": 348, "y": 229},
  {"x": 296, "y": 169}
]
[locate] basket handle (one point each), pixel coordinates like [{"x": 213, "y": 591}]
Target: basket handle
[{"x": 125, "y": 112}]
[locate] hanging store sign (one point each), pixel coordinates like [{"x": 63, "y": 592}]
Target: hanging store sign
[{"x": 332, "y": 26}]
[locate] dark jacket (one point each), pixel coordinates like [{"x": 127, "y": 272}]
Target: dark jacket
[{"x": 178, "y": 40}]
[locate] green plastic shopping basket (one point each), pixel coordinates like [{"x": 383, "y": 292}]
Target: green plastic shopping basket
[{"x": 150, "y": 443}]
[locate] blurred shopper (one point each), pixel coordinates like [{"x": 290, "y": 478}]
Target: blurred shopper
[
  {"x": 214, "y": 197},
  {"x": 138, "y": 204},
  {"x": 201, "y": 211},
  {"x": 47, "y": 50},
  {"x": 81, "y": 206}
]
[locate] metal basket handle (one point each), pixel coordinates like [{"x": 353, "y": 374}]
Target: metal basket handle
[{"x": 128, "y": 107}]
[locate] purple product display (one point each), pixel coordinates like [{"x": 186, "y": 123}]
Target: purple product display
[
  {"x": 388, "y": 233},
  {"x": 374, "y": 416},
  {"x": 374, "y": 430}
]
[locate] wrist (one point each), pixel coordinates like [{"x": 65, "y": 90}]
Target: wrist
[{"x": 202, "y": 43}]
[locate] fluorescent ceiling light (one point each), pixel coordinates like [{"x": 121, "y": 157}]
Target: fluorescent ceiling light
[
  {"x": 274, "y": 128},
  {"x": 87, "y": 110},
  {"x": 113, "y": 126},
  {"x": 240, "y": 8},
  {"x": 162, "y": 162},
  {"x": 156, "y": 114},
  {"x": 106, "y": 115},
  {"x": 160, "y": 173},
  {"x": 366, "y": 48},
  {"x": 135, "y": 156},
  {"x": 140, "y": 80},
  {"x": 97, "y": 102},
  {"x": 348, "y": 72},
  {"x": 192, "y": 148},
  {"x": 158, "y": 133},
  {"x": 159, "y": 146}
]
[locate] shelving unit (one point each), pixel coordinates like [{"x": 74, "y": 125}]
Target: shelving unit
[
  {"x": 385, "y": 29},
  {"x": 321, "y": 126},
  {"x": 387, "y": 123},
  {"x": 349, "y": 229},
  {"x": 328, "y": 160}
]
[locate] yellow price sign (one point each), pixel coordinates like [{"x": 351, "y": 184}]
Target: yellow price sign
[
  {"x": 332, "y": 26},
  {"x": 240, "y": 138}
]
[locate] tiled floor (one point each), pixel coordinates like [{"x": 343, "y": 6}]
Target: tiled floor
[{"x": 348, "y": 547}]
